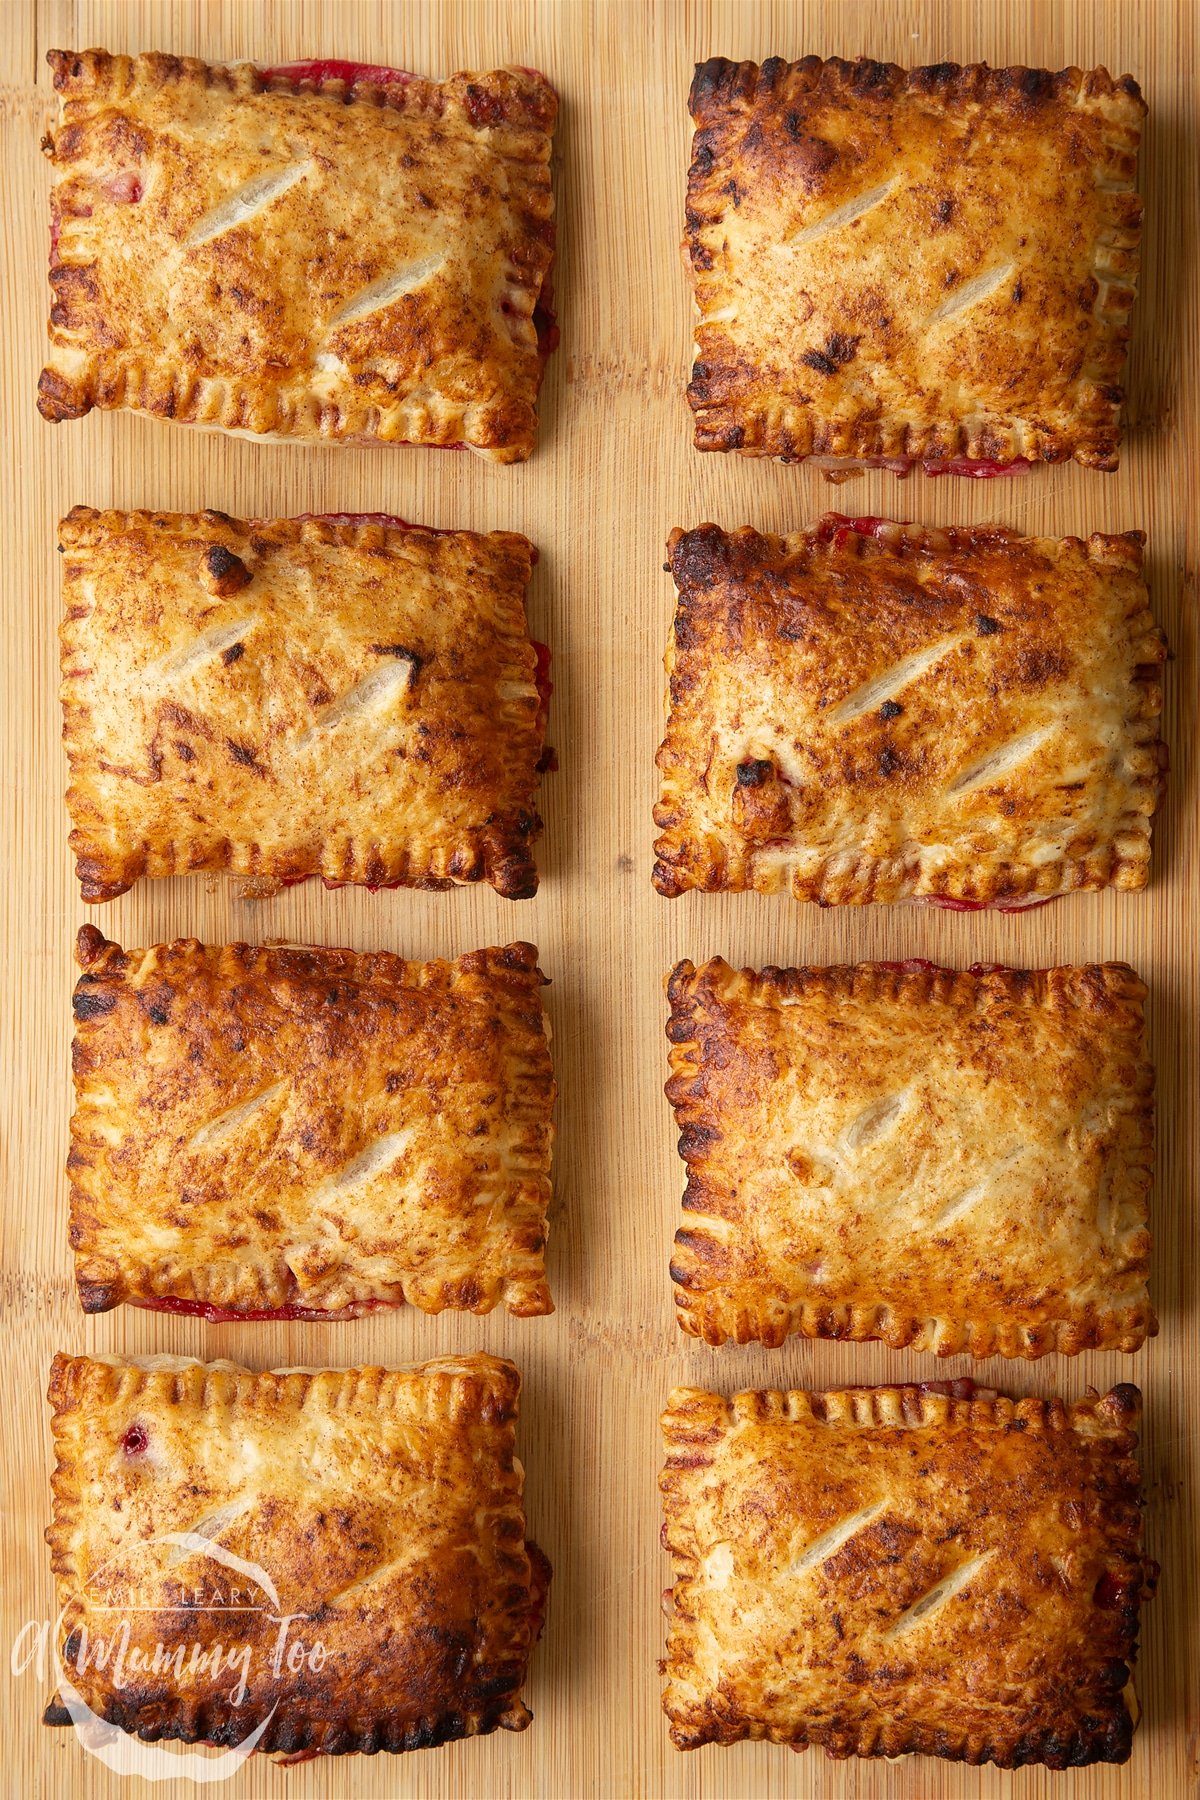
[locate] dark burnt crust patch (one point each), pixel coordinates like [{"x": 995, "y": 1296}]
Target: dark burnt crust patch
[
  {"x": 225, "y": 573},
  {"x": 861, "y": 143}
]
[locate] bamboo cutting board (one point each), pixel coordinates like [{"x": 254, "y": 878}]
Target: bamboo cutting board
[{"x": 613, "y": 472}]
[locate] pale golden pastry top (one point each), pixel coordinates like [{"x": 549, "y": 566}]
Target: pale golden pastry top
[
  {"x": 879, "y": 1571},
  {"x": 945, "y": 1161},
  {"x": 344, "y": 696},
  {"x": 867, "y": 711},
  {"x": 932, "y": 264},
  {"x": 327, "y": 260}
]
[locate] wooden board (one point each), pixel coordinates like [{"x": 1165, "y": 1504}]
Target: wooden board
[{"x": 613, "y": 471}]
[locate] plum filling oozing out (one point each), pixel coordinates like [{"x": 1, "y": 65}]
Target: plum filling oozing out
[
  {"x": 975, "y": 468},
  {"x": 319, "y": 70},
  {"x": 225, "y": 1315}
]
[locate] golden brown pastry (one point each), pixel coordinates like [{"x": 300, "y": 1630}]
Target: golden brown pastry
[
  {"x": 885, "y": 1570},
  {"x": 362, "y": 1528},
  {"x": 345, "y": 696},
  {"x": 945, "y": 1161},
  {"x": 328, "y": 252},
  {"x": 866, "y": 711},
  {"x": 291, "y": 1132},
  {"x": 892, "y": 267}
]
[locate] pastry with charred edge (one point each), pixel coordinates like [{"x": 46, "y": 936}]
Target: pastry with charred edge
[
  {"x": 932, "y": 267},
  {"x": 309, "y": 1132},
  {"x": 383, "y": 1507},
  {"x": 348, "y": 696},
  {"x": 867, "y": 711},
  {"x": 881, "y": 1571},
  {"x": 325, "y": 252},
  {"x": 946, "y": 1161}
]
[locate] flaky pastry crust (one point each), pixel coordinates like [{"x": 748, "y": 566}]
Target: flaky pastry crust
[
  {"x": 292, "y": 1128},
  {"x": 384, "y": 1506},
  {"x": 880, "y": 1571},
  {"x": 948, "y": 1162},
  {"x": 302, "y": 255},
  {"x": 935, "y": 264},
  {"x": 282, "y": 698},
  {"x": 866, "y": 711}
]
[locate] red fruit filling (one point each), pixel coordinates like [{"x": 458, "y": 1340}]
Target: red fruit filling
[
  {"x": 835, "y": 525},
  {"x": 483, "y": 109},
  {"x": 545, "y": 686},
  {"x": 322, "y": 69},
  {"x": 327, "y": 68},
  {"x": 124, "y": 189},
  {"x": 1110, "y": 1592},
  {"x": 977, "y": 468},
  {"x": 835, "y": 528},
  {"x": 135, "y": 1440},
  {"x": 226, "y": 1315}
]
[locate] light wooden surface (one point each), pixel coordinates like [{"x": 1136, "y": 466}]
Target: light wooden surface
[{"x": 613, "y": 472}]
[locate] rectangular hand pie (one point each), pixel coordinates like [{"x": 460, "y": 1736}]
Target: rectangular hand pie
[
  {"x": 328, "y": 252},
  {"x": 866, "y": 711},
  {"x": 326, "y": 1560},
  {"x": 886, "y": 1570},
  {"x": 295, "y": 1132},
  {"x": 949, "y": 1162},
  {"x": 893, "y": 267},
  {"x": 344, "y": 696}
]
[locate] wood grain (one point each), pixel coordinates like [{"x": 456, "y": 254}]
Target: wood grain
[{"x": 613, "y": 472}]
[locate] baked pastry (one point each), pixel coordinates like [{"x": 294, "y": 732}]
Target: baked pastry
[
  {"x": 306, "y": 1133},
  {"x": 885, "y": 1570},
  {"x": 893, "y": 267},
  {"x": 328, "y": 252},
  {"x": 345, "y": 696},
  {"x": 870, "y": 711},
  {"x": 362, "y": 1528},
  {"x": 949, "y": 1162}
]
